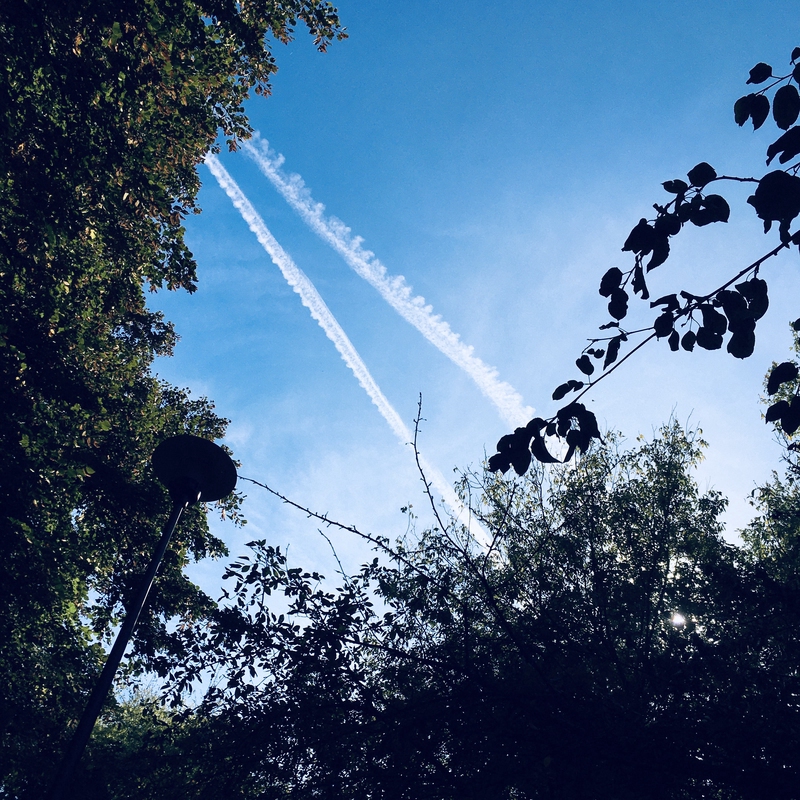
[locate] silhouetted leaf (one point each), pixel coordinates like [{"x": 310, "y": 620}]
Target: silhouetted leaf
[
  {"x": 676, "y": 187},
  {"x": 610, "y": 281},
  {"x": 688, "y": 340},
  {"x": 598, "y": 353},
  {"x": 783, "y": 373},
  {"x": 669, "y": 301},
  {"x": 760, "y": 73},
  {"x": 708, "y": 340},
  {"x": 734, "y": 305},
  {"x": 609, "y": 325},
  {"x": 520, "y": 460},
  {"x": 663, "y": 324},
  {"x": 712, "y": 320},
  {"x": 713, "y": 208},
  {"x": 759, "y": 110},
  {"x": 660, "y": 252},
  {"x": 787, "y": 145},
  {"x": 612, "y": 351},
  {"x": 776, "y": 411},
  {"x": 584, "y": 364},
  {"x": 499, "y": 462},
  {"x": 640, "y": 239},
  {"x": 796, "y": 325},
  {"x": 786, "y": 106},
  {"x": 796, "y": 73},
  {"x": 701, "y": 174},
  {"x": 565, "y": 388},
  {"x": 618, "y": 305},
  {"x": 777, "y": 197},
  {"x": 638, "y": 284},
  {"x": 674, "y": 341},
  {"x": 795, "y": 54},
  {"x": 667, "y": 225},
  {"x": 790, "y": 419},
  {"x": 540, "y": 452},
  {"x": 550, "y": 430},
  {"x": 755, "y": 290},
  {"x": 741, "y": 109},
  {"x": 742, "y": 342}
]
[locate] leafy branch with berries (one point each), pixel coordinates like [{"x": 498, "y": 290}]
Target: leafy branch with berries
[{"x": 686, "y": 320}]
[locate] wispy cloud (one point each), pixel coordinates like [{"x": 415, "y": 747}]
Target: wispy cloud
[
  {"x": 393, "y": 288},
  {"x": 312, "y": 300}
]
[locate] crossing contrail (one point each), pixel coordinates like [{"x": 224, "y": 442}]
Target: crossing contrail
[
  {"x": 312, "y": 300},
  {"x": 393, "y": 289}
]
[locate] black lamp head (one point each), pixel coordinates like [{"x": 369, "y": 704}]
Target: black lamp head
[{"x": 194, "y": 469}]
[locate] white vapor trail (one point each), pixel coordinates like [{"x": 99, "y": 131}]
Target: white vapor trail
[
  {"x": 312, "y": 300},
  {"x": 393, "y": 289}
]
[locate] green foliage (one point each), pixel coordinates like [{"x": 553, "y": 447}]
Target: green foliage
[
  {"x": 608, "y": 642},
  {"x": 108, "y": 106}
]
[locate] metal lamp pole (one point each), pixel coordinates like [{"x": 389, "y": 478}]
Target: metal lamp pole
[{"x": 193, "y": 469}]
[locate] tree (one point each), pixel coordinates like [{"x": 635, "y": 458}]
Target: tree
[
  {"x": 108, "y": 108},
  {"x": 608, "y": 642},
  {"x": 734, "y": 307}
]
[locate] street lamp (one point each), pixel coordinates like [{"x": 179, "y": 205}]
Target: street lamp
[{"x": 194, "y": 470}]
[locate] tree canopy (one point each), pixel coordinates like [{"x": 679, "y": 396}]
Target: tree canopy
[
  {"x": 108, "y": 108},
  {"x": 608, "y": 641}
]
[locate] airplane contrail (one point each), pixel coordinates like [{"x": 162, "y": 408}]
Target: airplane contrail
[
  {"x": 393, "y": 289},
  {"x": 312, "y": 300}
]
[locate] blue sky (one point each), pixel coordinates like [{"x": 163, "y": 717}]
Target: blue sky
[{"x": 496, "y": 157}]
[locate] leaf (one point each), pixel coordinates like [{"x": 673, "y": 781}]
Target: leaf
[
  {"x": 618, "y": 305},
  {"x": 786, "y": 106},
  {"x": 759, "y": 110},
  {"x": 708, "y": 340},
  {"x": 777, "y": 197},
  {"x": 663, "y": 324},
  {"x": 796, "y": 325},
  {"x": 787, "y": 145},
  {"x": 790, "y": 419},
  {"x": 755, "y": 290},
  {"x": 734, "y": 305},
  {"x": 676, "y": 187},
  {"x": 742, "y": 343},
  {"x": 499, "y": 462},
  {"x": 741, "y": 109},
  {"x": 540, "y": 451},
  {"x": 783, "y": 373},
  {"x": 713, "y": 208},
  {"x": 670, "y": 301},
  {"x": 760, "y": 73},
  {"x": 776, "y": 411},
  {"x": 565, "y": 388},
  {"x": 610, "y": 281},
  {"x": 640, "y": 239},
  {"x": 612, "y": 351},
  {"x": 638, "y": 284},
  {"x": 609, "y": 325},
  {"x": 584, "y": 364},
  {"x": 667, "y": 225},
  {"x": 660, "y": 252},
  {"x": 520, "y": 460},
  {"x": 688, "y": 340},
  {"x": 795, "y": 54},
  {"x": 713, "y": 320},
  {"x": 674, "y": 341},
  {"x": 701, "y": 174},
  {"x": 561, "y": 391}
]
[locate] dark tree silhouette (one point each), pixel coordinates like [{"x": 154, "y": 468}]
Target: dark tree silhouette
[{"x": 686, "y": 320}]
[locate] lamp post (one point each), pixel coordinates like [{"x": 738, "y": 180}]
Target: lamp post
[{"x": 194, "y": 470}]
